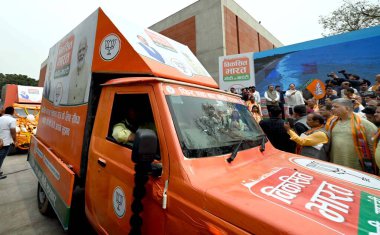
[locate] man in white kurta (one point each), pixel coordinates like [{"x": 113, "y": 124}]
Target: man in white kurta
[{"x": 294, "y": 97}]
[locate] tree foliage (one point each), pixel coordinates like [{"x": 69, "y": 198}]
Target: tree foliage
[
  {"x": 351, "y": 16},
  {"x": 17, "y": 79}
]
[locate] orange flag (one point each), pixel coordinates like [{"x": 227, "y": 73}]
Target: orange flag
[{"x": 317, "y": 88}]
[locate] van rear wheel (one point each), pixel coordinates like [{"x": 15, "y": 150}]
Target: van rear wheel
[{"x": 43, "y": 202}]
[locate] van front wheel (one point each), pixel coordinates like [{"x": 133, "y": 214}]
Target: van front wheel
[{"x": 43, "y": 202}]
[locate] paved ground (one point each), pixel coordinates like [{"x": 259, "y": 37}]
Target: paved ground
[{"x": 18, "y": 201}]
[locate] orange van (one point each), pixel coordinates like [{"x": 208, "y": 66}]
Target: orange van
[
  {"x": 26, "y": 101},
  {"x": 199, "y": 163}
]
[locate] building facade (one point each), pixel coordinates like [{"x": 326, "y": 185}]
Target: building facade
[{"x": 214, "y": 28}]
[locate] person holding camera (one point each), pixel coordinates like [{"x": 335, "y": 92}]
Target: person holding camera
[
  {"x": 355, "y": 80},
  {"x": 334, "y": 77}
]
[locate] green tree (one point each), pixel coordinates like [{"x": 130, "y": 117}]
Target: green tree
[
  {"x": 351, "y": 16},
  {"x": 17, "y": 79}
]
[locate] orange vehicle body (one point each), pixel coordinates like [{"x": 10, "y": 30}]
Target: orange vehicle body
[{"x": 262, "y": 191}]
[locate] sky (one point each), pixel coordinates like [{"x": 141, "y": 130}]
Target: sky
[{"x": 30, "y": 28}]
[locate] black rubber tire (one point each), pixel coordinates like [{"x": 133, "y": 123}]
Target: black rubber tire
[
  {"x": 43, "y": 203},
  {"x": 78, "y": 221}
]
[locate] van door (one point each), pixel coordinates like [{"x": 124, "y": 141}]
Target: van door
[{"x": 110, "y": 174}]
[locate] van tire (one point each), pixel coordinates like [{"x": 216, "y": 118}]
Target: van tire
[
  {"x": 78, "y": 223},
  {"x": 44, "y": 205}
]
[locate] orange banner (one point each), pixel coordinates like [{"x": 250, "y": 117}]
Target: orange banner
[
  {"x": 65, "y": 51},
  {"x": 333, "y": 205},
  {"x": 68, "y": 123},
  {"x": 58, "y": 174}
]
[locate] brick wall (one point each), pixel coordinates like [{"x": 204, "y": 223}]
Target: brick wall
[
  {"x": 183, "y": 32},
  {"x": 248, "y": 38},
  {"x": 230, "y": 32},
  {"x": 265, "y": 44},
  {"x": 242, "y": 38}
]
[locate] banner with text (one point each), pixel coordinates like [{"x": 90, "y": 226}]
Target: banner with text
[
  {"x": 236, "y": 71},
  {"x": 29, "y": 94}
]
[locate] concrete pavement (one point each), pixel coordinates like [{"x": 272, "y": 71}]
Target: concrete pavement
[{"x": 18, "y": 201}]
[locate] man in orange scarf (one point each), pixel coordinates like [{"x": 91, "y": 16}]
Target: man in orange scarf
[
  {"x": 376, "y": 138},
  {"x": 376, "y": 85},
  {"x": 351, "y": 138}
]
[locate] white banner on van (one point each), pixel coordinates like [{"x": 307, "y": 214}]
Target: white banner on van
[
  {"x": 162, "y": 49},
  {"x": 29, "y": 94}
]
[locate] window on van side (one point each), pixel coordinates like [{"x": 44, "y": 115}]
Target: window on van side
[{"x": 129, "y": 113}]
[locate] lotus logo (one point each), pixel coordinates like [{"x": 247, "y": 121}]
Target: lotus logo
[
  {"x": 119, "y": 202},
  {"x": 170, "y": 90},
  {"x": 110, "y": 47}
]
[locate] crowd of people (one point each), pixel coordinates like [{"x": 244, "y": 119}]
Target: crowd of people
[{"x": 343, "y": 127}]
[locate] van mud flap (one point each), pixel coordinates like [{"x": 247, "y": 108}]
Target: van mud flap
[{"x": 55, "y": 178}]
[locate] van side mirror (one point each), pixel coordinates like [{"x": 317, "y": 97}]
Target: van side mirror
[{"x": 145, "y": 146}]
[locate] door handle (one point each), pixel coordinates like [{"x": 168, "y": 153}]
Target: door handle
[{"x": 102, "y": 162}]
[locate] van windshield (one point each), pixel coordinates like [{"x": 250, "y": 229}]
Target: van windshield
[
  {"x": 22, "y": 112},
  {"x": 209, "y": 127}
]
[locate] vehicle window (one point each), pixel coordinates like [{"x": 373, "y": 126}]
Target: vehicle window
[
  {"x": 129, "y": 113},
  {"x": 208, "y": 127},
  {"x": 20, "y": 112},
  {"x": 24, "y": 112}
]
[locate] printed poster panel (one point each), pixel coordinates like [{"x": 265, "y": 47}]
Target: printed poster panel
[
  {"x": 68, "y": 75},
  {"x": 236, "y": 71},
  {"x": 66, "y": 92},
  {"x": 298, "y": 63},
  {"x": 162, "y": 49},
  {"x": 335, "y": 206},
  {"x": 29, "y": 94},
  {"x": 54, "y": 177}
]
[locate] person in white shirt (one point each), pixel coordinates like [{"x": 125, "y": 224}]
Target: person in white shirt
[
  {"x": 7, "y": 134},
  {"x": 294, "y": 97},
  {"x": 272, "y": 97},
  {"x": 256, "y": 94}
]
